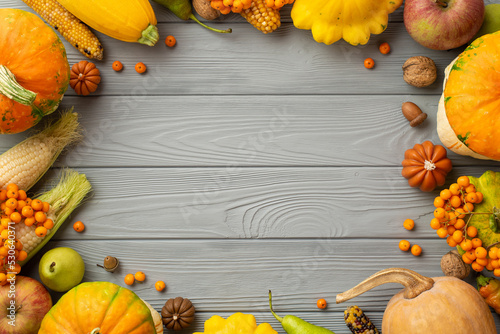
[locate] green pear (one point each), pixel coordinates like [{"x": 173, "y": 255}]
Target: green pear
[
  {"x": 491, "y": 22},
  {"x": 61, "y": 269},
  {"x": 294, "y": 325}
]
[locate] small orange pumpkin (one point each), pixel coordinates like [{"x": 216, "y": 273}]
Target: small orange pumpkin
[
  {"x": 84, "y": 77},
  {"x": 444, "y": 305},
  {"x": 34, "y": 70},
  {"x": 98, "y": 307},
  {"x": 426, "y": 166}
]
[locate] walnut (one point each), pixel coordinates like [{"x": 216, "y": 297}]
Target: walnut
[
  {"x": 453, "y": 265},
  {"x": 419, "y": 71}
]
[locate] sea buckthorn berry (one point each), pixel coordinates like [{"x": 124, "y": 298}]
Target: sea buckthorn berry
[
  {"x": 416, "y": 250},
  {"x": 477, "y": 267},
  {"x": 450, "y": 229},
  {"x": 471, "y": 231},
  {"x": 496, "y": 272},
  {"x": 48, "y": 224},
  {"x": 495, "y": 263},
  {"x": 7, "y": 211},
  {"x": 471, "y": 254},
  {"x": 438, "y": 202},
  {"x": 78, "y": 226},
  {"x": 435, "y": 223},
  {"x": 463, "y": 181},
  {"x": 489, "y": 267},
  {"x": 321, "y": 303},
  {"x": 458, "y": 236},
  {"x": 160, "y": 286},
  {"x": 22, "y": 255},
  {"x": 471, "y": 198},
  {"x": 170, "y": 41},
  {"x": 470, "y": 189},
  {"x": 11, "y": 203},
  {"x": 439, "y": 213},
  {"x": 27, "y": 211},
  {"x": 466, "y": 259},
  {"x": 37, "y": 205},
  {"x": 482, "y": 261},
  {"x": 409, "y": 224},
  {"x": 11, "y": 193},
  {"x": 41, "y": 231},
  {"x": 129, "y": 279},
  {"x": 460, "y": 213},
  {"x": 455, "y": 189},
  {"x": 29, "y": 221},
  {"x": 15, "y": 217},
  {"x": 12, "y": 186},
  {"x": 3, "y": 194},
  {"x": 476, "y": 242},
  {"x": 20, "y": 205},
  {"x": 452, "y": 218},
  {"x": 451, "y": 242},
  {"x": 22, "y": 195},
  {"x": 369, "y": 63},
  {"x": 481, "y": 252},
  {"x": 442, "y": 232},
  {"x": 117, "y": 66},
  {"x": 140, "y": 276},
  {"x": 384, "y": 48},
  {"x": 404, "y": 245},
  {"x": 5, "y": 222},
  {"x": 455, "y": 201},
  {"x": 460, "y": 224},
  {"x": 445, "y": 194},
  {"x": 466, "y": 245},
  {"x": 40, "y": 217},
  {"x": 45, "y": 206},
  {"x": 140, "y": 67},
  {"x": 493, "y": 253},
  {"x": 479, "y": 196}
]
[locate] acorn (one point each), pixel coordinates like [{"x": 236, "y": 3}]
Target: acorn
[{"x": 110, "y": 263}]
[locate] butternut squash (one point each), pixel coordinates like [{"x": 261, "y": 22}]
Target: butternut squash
[{"x": 125, "y": 20}]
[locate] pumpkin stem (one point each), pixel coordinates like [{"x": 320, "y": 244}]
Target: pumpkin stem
[
  {"x": 429, "y": 165},
  {"x": 12, "y": 89},
  {"x": 149, "y": 35},
  {"x": 95, "y": 331},
  {"x": 413, "y": 282}
]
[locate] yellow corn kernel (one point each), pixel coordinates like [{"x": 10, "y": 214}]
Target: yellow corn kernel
[
  {"x": 71, "y": 28},
  {"x": 26, "y": 162},
  {"x": 262, "y": 17}
]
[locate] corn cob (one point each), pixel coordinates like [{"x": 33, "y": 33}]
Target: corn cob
[
  {"x": 358, "y": 322},
  {"x": 25, "y": 163},
  {"x": 262, "y": 17},
  {"x": 71, "y": 28},
  {"x": 63, "y": 199}
]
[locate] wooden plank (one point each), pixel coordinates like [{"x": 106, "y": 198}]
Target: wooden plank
[
  {"x": 178, "y": 203},
  {"x": 235, "y": 275},
  {"x": 246, "y": 131}
]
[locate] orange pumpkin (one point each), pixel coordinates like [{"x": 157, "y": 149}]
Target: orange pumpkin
[
  {"x": 426, "y": 166},
  {"x": 98, "y": 307},
  {"x": 444, "y": 305},
  {"x": 468, "y": 118},
  {"x": 34, "y": 70}
]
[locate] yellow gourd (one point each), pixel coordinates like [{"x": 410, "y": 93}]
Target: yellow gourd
[{"x": 125, "y": 20}]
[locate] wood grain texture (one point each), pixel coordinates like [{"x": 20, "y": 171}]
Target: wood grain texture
[
  {"x": 247, "y": 203},
  {"x": 242, "y": 131}
]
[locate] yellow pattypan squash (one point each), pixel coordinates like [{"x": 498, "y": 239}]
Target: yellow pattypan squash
[
  {"x": 237, "y": 323},
  {"x": 352, "y": 20}
]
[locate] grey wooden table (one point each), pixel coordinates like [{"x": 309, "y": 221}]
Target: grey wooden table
[{"x": 244, "y": 162}]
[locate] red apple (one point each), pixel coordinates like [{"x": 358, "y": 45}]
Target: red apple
[
  {"x": 23, "y": 304},
  {"x": 443, "y": 24}
]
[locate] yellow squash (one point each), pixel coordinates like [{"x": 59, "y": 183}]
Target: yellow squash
[
  {"x": 125, "y": 20},
  {"x": 352, "y": 20}
]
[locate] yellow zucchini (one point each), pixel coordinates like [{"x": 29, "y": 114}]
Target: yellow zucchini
[{"x": 125, "y": 20}]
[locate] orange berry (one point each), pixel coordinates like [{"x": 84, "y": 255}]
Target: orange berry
[
  {"x": 458, "y": 236},
  {"x": 451, "y": 242},
  {"x": 27, "y": 211},
  {"x": 78, "y": 226},
  {"x": 12, "y": 186},
  {"x": 22, "y": 195},
  {"x": 442, "y": 232},
  {"x": 455, "y": 189},
  {"x": 466, "y": 259},
  {"x": 460, "y": 224},
  {"x": 438, "y": 202},
  {"x": 409, "y": 224},
  {"x": 496, "y": 272},
  {"x": 3, "y": 194},
  {"x": 445, "y": 194},
  {"x": 482, "y": 261},
  {"x": 477, "y": 267},
  {"x": 480, "y": 252},
  {"x": 455, "y": 201},
  {"x": 439, "y": 213},
  {"x": 40, "y": 217},
  {"x": 369, "y": 63},
  {"x": 29, "y": 221},
  {"x": 22, "y": 256},
  {"x": 450, "y": 229},
  {"x": 15, "y": 217},
  {"x": 471, "y": 254},
  {"x": 470, "y": 189},
  {"x": 48, "y": 224},
  {"x": 170, "y": 41},
  {"x": 37, "y": 205},
  {"x": 41, "y": 231},
  {"x": 493, "y": 253},
  {"x": 466, "y": 245},
  {"x": 460, "y": 213},
  {"x": 117, "y": 66},
  {"x": 321, "y": 303},
  {"x": 11, "y": 203},
  {"x": 140, "y": 276},
  {"x": 160, "y": 286},
  {"x": 479, "y": 196},
  {"x": 476, "y": 242},
  {"x": 471, "y": 231},
  {"x": 463, "y": 181},
  {"x": 384, "y": 48},
  {"x": 468, "y": 207},
  {"x": 12, "y": 193},
  {"x": 416, "y": 250},
  {"x": 129, "y": 279},
  {"x": 404, "y": 245},
  {"x": 140, "y": 67},
  {"x": 45, "y": 206},
  {"x": 435, "y": 223},
  {"x": 495, "y": 264}
]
